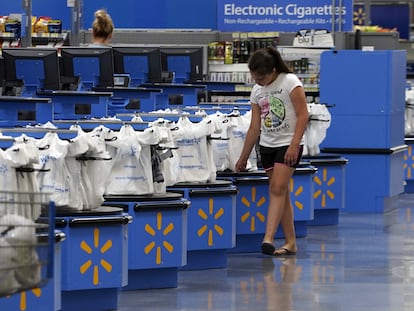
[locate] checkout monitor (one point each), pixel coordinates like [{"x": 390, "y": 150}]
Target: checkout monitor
[
  {"x": 30, "y": 69},
  {"x": 186, "y": 63},
  {"x": 87, "y": 66},
  {"x": 2, "y": 74},
  {"x": 141, "y": 64}
]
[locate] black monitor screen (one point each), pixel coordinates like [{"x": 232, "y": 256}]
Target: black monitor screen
[
  {"x": 185, "y": 62},
  {"x": 93, "y": 65},
  {"x": 37, "y": 69},
  {"x": 2, "y": 71},
  {"x": 142, "y": 64}
]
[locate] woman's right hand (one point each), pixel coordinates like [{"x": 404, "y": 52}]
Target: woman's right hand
[{"x": 240, "y": 165}]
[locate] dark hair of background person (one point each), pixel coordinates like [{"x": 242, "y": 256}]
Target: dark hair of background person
[{"x": 266, "y": 60}]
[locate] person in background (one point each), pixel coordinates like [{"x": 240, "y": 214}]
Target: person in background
[
  {"x": 102, "y": 28},
  {"x": 279, "y": 119}
]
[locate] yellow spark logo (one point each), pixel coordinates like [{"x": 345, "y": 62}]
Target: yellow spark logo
[
  {"x": 90, "y": 250},
  {"x": 164, "y": 232},
  {"x": 23, "y": 298},
  {"x": 211, "y": 213},
  {"x": 296, "y": 192},
  {"x": 408, "y": 156},
  {"x": 328, "y": 182},
  {"x": 359, "y": 16},
  {"x": 249, "y": 215}
]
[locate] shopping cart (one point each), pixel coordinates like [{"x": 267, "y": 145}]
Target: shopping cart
[{"x": 26, "y": 241}]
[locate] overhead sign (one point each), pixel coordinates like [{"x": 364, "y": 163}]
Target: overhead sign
[{"x": 284, "y": 15}]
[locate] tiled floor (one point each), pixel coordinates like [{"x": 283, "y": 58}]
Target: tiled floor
[{"x": 366, "y": 262}]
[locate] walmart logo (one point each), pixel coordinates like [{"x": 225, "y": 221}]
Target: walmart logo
[
  {"x": 359, "y": 16},
  {"x": 90, "y": 250},
  {"x": 250, "y": 215},
  {"x": 328, "y": 182},
  {"x": 211, "y": 214},
  {"x": 23, "y": 298},
  {"x": 159, "y": 230},
  {"x": 409, "y": 157},
  {"x": 296, "y": 192}
]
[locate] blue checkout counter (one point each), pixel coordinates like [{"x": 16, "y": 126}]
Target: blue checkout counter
[
  {"x": 157, "y": 238},
  {"x": 131, "y": 99},
  {"x": 175, "y": 94},
  {"x": 45, "y": 298},
  {"x": 252, "y": 201},
  {"x": 409, "y": 165},
  {"x": 211, "y": 222},
  {"x": 20, "y": 111},
  {"x": 94, "y": 257},
  {"x": 74, "y": 105},
  {"x": 329, "y": 187},
  {"x": 374, "y": 178},
  {"x": 367, "y": 125},
  {"x": 219, "y": 86}
]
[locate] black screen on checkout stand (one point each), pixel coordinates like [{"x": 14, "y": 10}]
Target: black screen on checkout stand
[
  {"x": 30, "y": 69},
  {"x": 92, "y": 66},
  {"x": 141, "y": 64},
  {"x": 186, "y": 63}
]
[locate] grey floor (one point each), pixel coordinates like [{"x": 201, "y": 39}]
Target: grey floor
[{"x": 366, "y": 262}]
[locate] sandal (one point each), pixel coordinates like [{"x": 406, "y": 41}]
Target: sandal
[
  {"x": 283, "y": 251},
  {"x": 268, "y": 248}
]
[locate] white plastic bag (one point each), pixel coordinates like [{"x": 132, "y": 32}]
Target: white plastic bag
[{"x": 319, "y": 122}]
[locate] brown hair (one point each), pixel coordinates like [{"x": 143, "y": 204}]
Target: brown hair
[
  {"x": 264, "y": 61},
  {"x": 102, "y": 26}
]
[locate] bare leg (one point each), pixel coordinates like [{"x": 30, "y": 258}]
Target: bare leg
[
  {"x": 288, "y": 226},
  {"x": 279, "y": 204}
]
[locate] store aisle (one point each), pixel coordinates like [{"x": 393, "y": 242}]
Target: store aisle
[{"x": 364, "y": 263}]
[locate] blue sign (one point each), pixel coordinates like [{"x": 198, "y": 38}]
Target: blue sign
[{"x": 284, "y": 15}]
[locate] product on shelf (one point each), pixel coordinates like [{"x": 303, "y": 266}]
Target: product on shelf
[
  {"x": 45, "y": 24},
  {"x": 239, "y": 49}
]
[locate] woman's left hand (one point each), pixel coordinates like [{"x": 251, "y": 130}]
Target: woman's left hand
[{"x": 291, "y": 155}]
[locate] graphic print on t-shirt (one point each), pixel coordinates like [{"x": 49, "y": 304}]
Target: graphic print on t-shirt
[{"x": 273, "y": 111}]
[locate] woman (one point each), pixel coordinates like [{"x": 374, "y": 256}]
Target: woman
[
  {"x": 102, "y": 28},
  {"x": 279, "y": 118}
]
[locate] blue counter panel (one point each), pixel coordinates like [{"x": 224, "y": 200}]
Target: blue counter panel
[
  {"x": 157, "y": 238},
  {"x": 372, "y": 181},
  {"x": 176, "y": 94},
  {"x": 47, "y": 298},
  {"x": 130, "y": 100},
  {"x": 409, "y": 166},
  {"x": 211, "y": 218},
  {"x": 252, "y": 202},
  {"x": 368, "y": 110},
  {"x": 160, "y": 239},
  {"x": 21, "y": 111},
  {"x": 70, "y": 105},
  {"x": 94, "y": 257},
  {"x": 329, "y": 188},
  {"x": 365, "y": 131},
  {"x": 211, "y": 222}
]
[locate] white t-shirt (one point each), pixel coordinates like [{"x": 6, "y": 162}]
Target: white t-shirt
[{"x": 277, "y": 111}]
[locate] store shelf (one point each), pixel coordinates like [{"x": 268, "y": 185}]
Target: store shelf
[{"x": 50, "y": 38}]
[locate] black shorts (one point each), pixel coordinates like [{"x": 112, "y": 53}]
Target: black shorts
[{"x": 269, "y": 156}]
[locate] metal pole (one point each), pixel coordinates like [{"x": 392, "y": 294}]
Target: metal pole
[
  {"x": 367, "y": 9},
  {"x": 26, "y": 40},
  {"x": 333, "y": 16},
  {"x": 340, "y": 16},
  {"x": 76, "y": 15}
]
